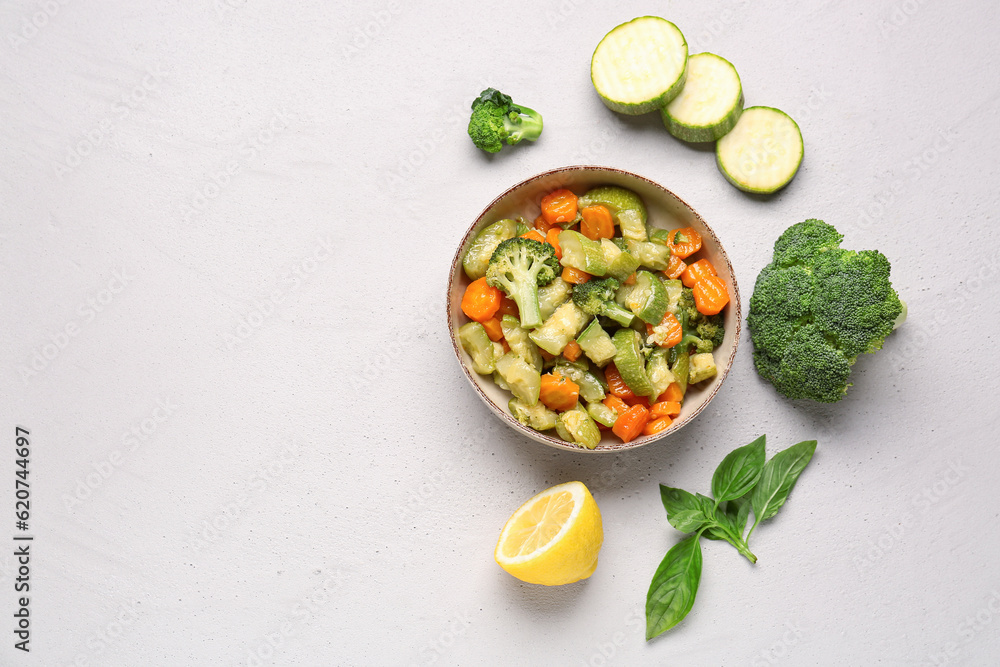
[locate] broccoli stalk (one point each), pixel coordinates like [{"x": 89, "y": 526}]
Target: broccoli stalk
[
  {"x": 815, "y": 308},
  {"x": 496, "y": 119},
  {"x": 596, "y": 297},
  {"x": 519, "y": 266}
]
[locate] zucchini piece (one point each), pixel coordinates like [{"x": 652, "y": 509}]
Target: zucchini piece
[
  {"x": 552, "y": 296},
  {"x": 477, "y": 257},
  {"x": 590, "y": 387},
  {"x": 710, "y": 103},
  {"x": 536, "y": 416},
  {"x": 702, "y": 367},
  {"x": 762, "y": 153},
  {"x": 500, "y": 382},
  {"x": 524, "y": 381},
  {"x": 577, "y": 426},
  {"x": 625, "y": 205},
  {"x": 596, "y": 343},
  {"x": 517, "y": 337},
  {"x": 621, "y": 263},
  {"x": 648, "y": 299},
  {"x": 630, "y": 362},
  {"x": 652, "y": 255},
  {"x": 681, "y": 368},
  {"x": 639, "y": 66},
  {"x": 602, "y": 414},
  {"x": 674, "y": 288},
  {"x": 478, "y": 345},
  {"x": 658, "y": 370},
  {"x": 582, "y": 253},
  {"x": 560, "y": 328}
]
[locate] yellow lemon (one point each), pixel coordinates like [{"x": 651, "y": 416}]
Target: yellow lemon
[{"x": 554, "y": 538}]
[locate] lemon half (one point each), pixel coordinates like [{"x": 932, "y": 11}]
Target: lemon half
[{"x": 554, "y": 538}]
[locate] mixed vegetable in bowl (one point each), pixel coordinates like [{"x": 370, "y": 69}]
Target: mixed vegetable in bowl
[{"x": 590, "y": 318}]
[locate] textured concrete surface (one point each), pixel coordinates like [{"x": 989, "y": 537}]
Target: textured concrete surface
[{"x": 226, "y": 229}]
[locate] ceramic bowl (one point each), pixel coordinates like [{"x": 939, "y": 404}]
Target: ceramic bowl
[{"x": 665, "y": 210}]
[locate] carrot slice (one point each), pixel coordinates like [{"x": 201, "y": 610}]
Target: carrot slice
[
  {"x": 616, "y": 384},
  {"x": 572, "y": 351},
  {"x": 493, "y": 328},
  {"x": 674, "y": 330},
  {"x": 534, "y": 235},
  {"x": 675, "y": 267},
  {"x": 558, "y": 392},
  {"x": 654, "y": 426},
  {"x": 684, "y": 242},
  {"x": 664, "y": 409},
  {"x": 695, "y": 272},
  {"x": 615, "y": 403},
  {"x": 559, "y": 206},
  {"x": 710, "y": 295},
  {"x": 672, "y": 393},
  {"x": 542, "y": 225},
  {"x": 597, "y": 223},
  {"x": 480, "y": 301},
  {"x": 552, "y": 238},
  {"x": 629, "y": 424},
  {"x": 575, "y": 276},
  {"x": 507, "y": 307}
]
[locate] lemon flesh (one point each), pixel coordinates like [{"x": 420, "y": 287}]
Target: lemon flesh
[{"x": 554, "y": 538}]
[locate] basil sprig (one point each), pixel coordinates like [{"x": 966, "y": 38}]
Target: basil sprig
[{"x": 742, "y": 482}]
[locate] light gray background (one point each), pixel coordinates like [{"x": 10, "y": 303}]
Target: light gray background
[{"x": 226, "y": 229}]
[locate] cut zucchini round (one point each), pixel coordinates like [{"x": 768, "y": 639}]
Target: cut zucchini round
[
  {"x": 710, "y": 103},
  {"x": 630, "y": 362},
  {"x": 639, "y": 66},
  {"x": 762, "y": 153}
]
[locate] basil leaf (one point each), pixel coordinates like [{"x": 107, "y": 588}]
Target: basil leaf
[
  {"x": 685, "y": 511},
  {"x": 778, "y": 478},
  {"x": 742, "y": 514},
  {"x": 739, "y": 471},
  {"x": 674, "y": 586}
]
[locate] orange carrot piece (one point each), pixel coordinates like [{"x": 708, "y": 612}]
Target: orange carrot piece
[
  {"x": 480, "y": 301},
  {"x": 558, "y": 392},
  {"x": 545, "y": 355},
  {"x": 616, "y": 384},
  {"x": 575, "y": 276},
  {"x": 534, "y": 235},
  {"x": 695, "y": 272},
  {"x": 559, "y": 206},
  {"x": 542, "y": 225},
  {"x": 654, "y": 426},
  {"x": 507, "y": 307},
  {"x": 675, "y": 269},
  {"x": 674, "y": 330},
  {"x": 710, "y": 295},
  {"x": 629, "y": 425},
  {"x": 505, "y": 344},
  {"x": 631, "y": 279},
  {"x": 493, "y": 328},
  {"x": 615, "y": 403},
  {"x": 572, "y": 351},
  {"x": 673, "y": 394},
  {"x": 684, "y": 242},
  {"x": 664, "y": 409},
  {"x": 597, "y": 223},
  {"x": 552, "y": 238}
]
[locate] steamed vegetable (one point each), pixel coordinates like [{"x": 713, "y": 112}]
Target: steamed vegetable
[
  {"x": 518, "y": 267},
  {"x": 815, "y": 308}
]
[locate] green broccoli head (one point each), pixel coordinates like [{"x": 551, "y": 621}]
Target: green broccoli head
[
  {"x": 704, "y": 332},
  {"x": 597, "y": 297},
  {"x": 496, "y": 119},
  {"x": 519, "y": 267},
  {"x": 815, "y": 308}
]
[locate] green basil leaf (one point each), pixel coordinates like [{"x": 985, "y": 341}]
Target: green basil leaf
[
  {"x": 739, "y": 471},
  {"x": 674, "y": 586},
  {"x": 716, "y": 533},
  {"x": 778, "y": 478},
  {"x": 685, "y": 511},
  {"x": 742, "y": 514}
]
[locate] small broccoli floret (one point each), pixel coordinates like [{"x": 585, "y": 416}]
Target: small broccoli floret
[
  {"x": 519, "y": 266},
  {"x": 704, "y": 332},
  {"x": 711, "y": 330},
  {"x": 597, "y": 297},
  {"x": 815, "y": 308},
  {"x": 496, "y": 119}
]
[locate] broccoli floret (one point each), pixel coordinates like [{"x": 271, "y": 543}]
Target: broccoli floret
[
  {"x": 597, "y": 297},
  {"x": 496, "y": 119},
  {"x": 704, "y": 332},
  {"x": 815, "y": 308},
  {"x": 519, "y": 266}
]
